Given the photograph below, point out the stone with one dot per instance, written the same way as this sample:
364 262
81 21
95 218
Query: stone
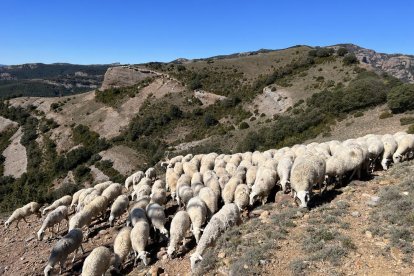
355 214
373 201
221 255
368 234
156 270
264 214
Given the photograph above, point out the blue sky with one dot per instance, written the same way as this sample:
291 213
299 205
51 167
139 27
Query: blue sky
104 31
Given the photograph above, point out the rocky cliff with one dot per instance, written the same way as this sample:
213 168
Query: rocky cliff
121 76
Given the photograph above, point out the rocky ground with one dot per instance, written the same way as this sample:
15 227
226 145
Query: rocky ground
337 236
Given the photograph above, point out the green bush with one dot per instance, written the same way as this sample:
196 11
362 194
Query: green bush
385 115
358 114
350 59
342 51
401 98
209 120
243 125
407 121
410 129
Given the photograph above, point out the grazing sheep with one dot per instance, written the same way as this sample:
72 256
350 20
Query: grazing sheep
142 202
265 181
118 208
171 179
390 146
155 213
63 201
140 191
180 224
307 171
75 199
129 181
178 168
158 184
197 210
228 192
196 178
159 196
227 216
375 149
214 184
251 175
174 160
150 173
190 168
405 147
335 168
79 220
283 170
185 193
207 175
82 196
88 198
207 195
196 187
97 207
139 240
112 192
102 186
97 262
62 249
241 196
136 214
53 218
22 213
136 177
122 246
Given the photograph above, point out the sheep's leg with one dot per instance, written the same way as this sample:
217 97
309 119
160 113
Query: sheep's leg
24 219
74 255
62 266
58 226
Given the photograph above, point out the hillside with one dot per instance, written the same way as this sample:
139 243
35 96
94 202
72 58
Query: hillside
112 121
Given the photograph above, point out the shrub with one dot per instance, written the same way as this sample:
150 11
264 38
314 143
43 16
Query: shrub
342 51
350 59
401 98
359 114
209 120
407 121
243 125
385 115
410 129
175 112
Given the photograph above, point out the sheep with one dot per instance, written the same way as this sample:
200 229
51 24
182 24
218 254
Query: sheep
187 158
22 213
63 248
122 246
53 218
251 175
97 207
390 146
136 214
139 240
265 181
307 170
214 184
178 168
140 191
228 192
88 198
375 149
335 168
196 178
158 184
241 196
102 186
155 213
184 180
75 199
228 216
79 220
196 187
159 196
180 224
190 168
63 201
118 208
82 197
150 173
174 160
129 181
112 192
283 170
97 262
171 179
207 195
142 202
207 175
136 177
405 147
185 193
354 157
197 210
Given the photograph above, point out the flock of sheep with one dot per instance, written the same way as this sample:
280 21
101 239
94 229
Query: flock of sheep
210 190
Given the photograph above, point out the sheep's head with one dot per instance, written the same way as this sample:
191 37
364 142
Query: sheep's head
195 259
40 235
397 158
384 164
304 197
143 256
111 220
7 224
253 198
48 270
170 251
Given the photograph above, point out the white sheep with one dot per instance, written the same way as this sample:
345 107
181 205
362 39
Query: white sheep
214 184
97 262
171 179
81 198
196 187
129 181
118 208
178 168
53 218
136 177
190 168
71 242
112 192
227 216
283 170
196 178
228 192
197 210
156 214
87 199
150 173
79 220
251 175
390 146
63 201
136 214
158 184
180 224
404 149
140 191
75 199
375 150
102 186
139 240
122 246
142 202
265 181
97 207
207 195
307 171
23 212
241 196
185 193
159 196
